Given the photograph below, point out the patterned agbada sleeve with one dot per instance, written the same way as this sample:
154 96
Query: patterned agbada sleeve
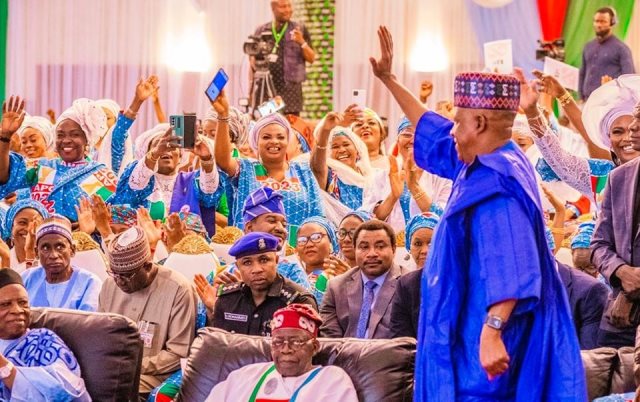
118 140
49 371
22 174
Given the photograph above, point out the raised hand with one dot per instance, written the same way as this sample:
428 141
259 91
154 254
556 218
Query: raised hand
153 232
549 84
201 150
334 266
167 143
101 215
297 36
147 88
426 88
382 66
85 216
529 93
207 293
396 177
12 115
557 203
350 115
174 230
30 241
225 278
5 255
412 171
221 104
331 120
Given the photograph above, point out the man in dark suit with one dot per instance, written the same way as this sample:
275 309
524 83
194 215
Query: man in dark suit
358 302
587 298
615 247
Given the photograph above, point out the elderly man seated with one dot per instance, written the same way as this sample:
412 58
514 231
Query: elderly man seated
291 376
56 283
35 364
159 299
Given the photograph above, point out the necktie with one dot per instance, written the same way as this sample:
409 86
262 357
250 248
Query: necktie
365 310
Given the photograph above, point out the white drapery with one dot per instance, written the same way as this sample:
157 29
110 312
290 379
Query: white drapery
60 50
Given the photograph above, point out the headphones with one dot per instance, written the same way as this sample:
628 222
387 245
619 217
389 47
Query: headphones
614 15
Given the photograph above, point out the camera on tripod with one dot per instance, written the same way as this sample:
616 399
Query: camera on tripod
553 49
259 46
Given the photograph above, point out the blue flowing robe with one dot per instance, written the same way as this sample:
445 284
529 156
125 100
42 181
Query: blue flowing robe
490 247
46 369
57 185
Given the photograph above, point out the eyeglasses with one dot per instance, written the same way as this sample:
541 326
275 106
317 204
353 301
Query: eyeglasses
294 344
122 277
342 233
314 238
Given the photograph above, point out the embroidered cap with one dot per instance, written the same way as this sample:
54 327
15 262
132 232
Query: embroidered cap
254 243
486 91
297 316
262 201
55 224
129 250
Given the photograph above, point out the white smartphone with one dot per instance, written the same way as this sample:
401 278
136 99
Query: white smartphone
359 97
271 106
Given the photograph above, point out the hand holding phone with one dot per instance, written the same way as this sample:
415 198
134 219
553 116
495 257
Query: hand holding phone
217 84
184 127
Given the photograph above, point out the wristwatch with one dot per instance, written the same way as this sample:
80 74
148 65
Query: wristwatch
5 371
495 322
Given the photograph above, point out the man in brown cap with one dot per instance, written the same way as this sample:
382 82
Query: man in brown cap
160 300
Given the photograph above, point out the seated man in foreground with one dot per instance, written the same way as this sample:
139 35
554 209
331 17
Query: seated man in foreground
158 299
35 364
291 375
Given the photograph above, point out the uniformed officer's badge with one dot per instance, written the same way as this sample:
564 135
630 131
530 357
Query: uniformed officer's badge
270 386
261 244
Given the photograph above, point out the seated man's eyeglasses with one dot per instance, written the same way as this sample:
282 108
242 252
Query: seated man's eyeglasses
294 343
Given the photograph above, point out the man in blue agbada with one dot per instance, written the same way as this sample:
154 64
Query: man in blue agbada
494 320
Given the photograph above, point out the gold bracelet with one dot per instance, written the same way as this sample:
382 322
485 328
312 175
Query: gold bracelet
565 99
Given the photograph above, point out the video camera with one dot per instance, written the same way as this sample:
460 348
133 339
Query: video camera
259 45
553 49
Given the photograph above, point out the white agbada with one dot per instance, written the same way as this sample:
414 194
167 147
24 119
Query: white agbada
330 384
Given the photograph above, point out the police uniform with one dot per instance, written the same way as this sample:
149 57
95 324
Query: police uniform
235 310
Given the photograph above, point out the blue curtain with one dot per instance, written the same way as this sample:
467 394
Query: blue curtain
518 21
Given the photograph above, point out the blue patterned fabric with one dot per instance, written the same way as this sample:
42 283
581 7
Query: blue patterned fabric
301 198
38 356
13 211
617 397
262 201
597 167
139 198
582 239
364 216
349 195
118 140
365 309
428 220
56 184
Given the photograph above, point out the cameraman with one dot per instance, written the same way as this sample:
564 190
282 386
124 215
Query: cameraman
287 60
605 57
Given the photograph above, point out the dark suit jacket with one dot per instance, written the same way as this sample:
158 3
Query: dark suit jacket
587 298
405 308
612 244
340 308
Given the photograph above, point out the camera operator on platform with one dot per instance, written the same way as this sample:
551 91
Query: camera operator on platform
604 58
287 61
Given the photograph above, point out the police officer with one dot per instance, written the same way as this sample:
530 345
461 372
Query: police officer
247 307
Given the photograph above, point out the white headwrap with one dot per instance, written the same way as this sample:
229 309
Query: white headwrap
521 126
614 99
43 126
274 118
89 115
144 140
110 105
238 123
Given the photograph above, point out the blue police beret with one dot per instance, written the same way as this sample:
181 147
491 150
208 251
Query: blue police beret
254 243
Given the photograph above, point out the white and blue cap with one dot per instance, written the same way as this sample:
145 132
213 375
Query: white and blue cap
254 243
